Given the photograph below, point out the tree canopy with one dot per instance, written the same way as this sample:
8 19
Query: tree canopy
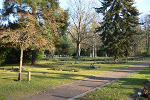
81 20
120 18
36 24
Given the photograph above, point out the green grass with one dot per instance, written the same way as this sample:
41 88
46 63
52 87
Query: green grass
46 74
121 89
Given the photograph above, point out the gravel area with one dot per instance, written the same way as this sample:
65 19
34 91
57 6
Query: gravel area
78 88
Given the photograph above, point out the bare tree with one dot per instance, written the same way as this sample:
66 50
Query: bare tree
94 41
139 39
81 21
147 31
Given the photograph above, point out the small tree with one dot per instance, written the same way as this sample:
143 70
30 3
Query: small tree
34 30
64 46
23 37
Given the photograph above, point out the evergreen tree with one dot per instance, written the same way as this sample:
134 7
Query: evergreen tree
120 18
65 46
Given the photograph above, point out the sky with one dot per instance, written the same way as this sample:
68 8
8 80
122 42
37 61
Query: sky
142 5
1 4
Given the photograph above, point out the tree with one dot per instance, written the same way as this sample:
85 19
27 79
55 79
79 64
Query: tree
120 18
93 42
36 23
65 46
139 39
147 31
61 38
60 17
81 20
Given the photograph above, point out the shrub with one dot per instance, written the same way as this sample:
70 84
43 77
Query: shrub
100 53
12 56
40 54
145 54
3 53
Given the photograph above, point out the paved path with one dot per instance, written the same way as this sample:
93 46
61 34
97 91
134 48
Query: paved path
78 88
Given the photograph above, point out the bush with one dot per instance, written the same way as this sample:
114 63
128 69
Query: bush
85 52
145 54
74 54
3 53
12 55
100 53
40 54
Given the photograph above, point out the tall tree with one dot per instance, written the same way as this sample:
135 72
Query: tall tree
120 18
58 16
80 14
93 42
147 31
37 25
62 31
139 39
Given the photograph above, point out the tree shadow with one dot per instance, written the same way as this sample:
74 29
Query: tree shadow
64 66
59 75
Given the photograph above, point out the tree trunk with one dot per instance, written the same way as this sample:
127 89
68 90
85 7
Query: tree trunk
147 43
84 52
34 57
90 53
77 50
126 59
106 54
116 58
21 59
93 52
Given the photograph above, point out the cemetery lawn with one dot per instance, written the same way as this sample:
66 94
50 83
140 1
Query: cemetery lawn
121 89
49 73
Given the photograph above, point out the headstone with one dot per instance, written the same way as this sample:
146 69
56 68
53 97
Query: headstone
76 62
94 66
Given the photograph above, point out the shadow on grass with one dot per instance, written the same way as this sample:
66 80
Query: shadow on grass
57 75
67 66
121 89
64 67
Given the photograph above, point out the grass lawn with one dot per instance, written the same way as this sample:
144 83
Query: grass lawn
51 73
121 89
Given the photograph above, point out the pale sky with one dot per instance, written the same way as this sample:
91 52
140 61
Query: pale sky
1 4
142 5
